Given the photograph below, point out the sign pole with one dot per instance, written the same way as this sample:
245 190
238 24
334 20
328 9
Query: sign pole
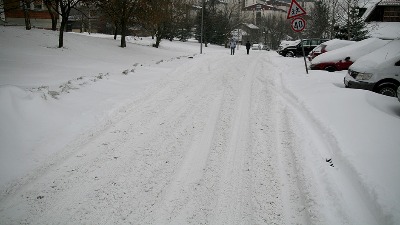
304 55
298 24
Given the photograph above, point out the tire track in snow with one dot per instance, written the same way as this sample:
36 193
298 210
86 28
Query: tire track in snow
234 197
321 145
78 186
191 202
175 204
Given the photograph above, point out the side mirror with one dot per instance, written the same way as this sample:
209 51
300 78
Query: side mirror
397 63
347 58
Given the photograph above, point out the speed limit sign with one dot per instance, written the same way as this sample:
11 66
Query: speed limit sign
298 24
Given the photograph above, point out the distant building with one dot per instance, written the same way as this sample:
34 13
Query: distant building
13 14
383 19
383 11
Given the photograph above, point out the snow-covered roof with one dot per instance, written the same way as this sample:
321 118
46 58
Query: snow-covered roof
371 5
389 2
251 26
384 30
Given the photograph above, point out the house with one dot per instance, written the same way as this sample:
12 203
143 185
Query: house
13 13
246 32
383 19
256 11
383 11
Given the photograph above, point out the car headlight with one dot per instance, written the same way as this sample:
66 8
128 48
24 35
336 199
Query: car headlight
363 76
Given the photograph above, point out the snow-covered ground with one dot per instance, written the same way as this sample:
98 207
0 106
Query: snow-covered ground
93 133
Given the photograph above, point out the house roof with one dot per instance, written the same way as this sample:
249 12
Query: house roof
370 8
251 26
261 7
389 2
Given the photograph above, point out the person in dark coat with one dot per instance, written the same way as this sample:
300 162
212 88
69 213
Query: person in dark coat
248 47
232 45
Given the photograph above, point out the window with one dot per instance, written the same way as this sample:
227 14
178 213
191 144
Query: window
37 5
306 42
315 42
391 14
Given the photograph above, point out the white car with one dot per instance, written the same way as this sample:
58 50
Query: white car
256 47
378 71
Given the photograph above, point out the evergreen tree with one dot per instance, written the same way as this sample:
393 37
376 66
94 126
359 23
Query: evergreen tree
216 24
354 29
319 25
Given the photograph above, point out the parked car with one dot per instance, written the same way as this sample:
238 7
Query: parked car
378 71
297 48
284 44
398 93
343 58
256 47
265 47
328 46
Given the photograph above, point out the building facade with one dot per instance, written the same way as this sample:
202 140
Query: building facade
14 12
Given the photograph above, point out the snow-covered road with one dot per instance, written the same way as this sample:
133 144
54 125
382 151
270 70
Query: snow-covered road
219 140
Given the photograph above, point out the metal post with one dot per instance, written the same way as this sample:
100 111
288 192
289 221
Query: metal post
304 55
202 24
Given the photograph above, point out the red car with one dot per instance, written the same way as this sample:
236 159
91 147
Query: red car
342 58
333 66
328 46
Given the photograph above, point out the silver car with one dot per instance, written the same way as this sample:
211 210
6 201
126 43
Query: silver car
398 93
378 71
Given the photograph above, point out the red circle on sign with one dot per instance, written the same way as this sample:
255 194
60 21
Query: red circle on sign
298 24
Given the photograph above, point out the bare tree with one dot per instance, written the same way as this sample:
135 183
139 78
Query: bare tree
122 12
63 8
276 28
51 5
24 5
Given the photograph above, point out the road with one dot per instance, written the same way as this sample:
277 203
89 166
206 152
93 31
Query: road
218 141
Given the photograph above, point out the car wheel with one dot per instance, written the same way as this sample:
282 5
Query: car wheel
330 69
388 89
289 54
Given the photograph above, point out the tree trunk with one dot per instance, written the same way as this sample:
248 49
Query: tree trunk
53 22
123 34
116 30
158 41
62 28
28 25
53 15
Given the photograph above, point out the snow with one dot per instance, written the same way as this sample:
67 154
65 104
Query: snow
336 43
354 51
384 30
94 133
379 59
284 44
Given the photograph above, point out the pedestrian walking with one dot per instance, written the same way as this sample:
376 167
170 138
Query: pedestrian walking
248 47
232 44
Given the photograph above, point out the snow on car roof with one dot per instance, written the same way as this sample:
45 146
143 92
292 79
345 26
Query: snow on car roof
378 57
336 43
354 51
289 43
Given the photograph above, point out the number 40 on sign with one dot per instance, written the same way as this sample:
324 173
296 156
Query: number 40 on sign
298 24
